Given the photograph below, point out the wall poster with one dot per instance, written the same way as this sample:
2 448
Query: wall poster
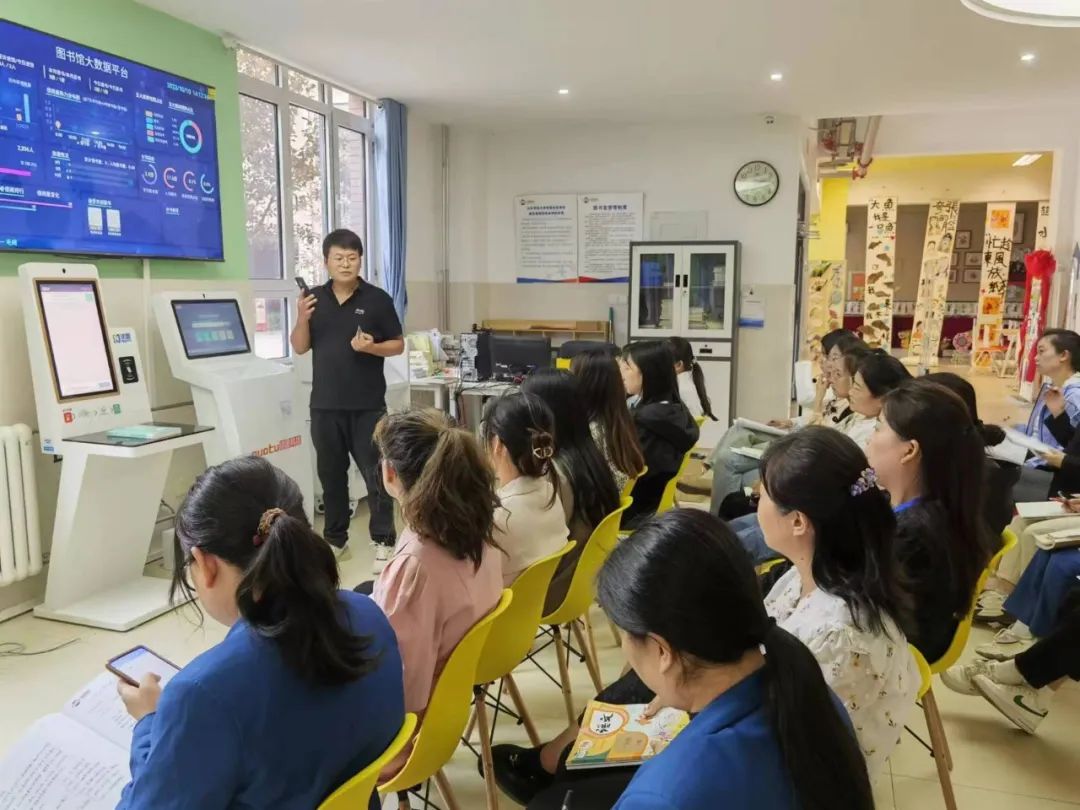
1042 226
546 231
997 252
934 281
880 257
607 224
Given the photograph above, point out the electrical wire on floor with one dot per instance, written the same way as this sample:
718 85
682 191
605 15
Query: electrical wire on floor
12 649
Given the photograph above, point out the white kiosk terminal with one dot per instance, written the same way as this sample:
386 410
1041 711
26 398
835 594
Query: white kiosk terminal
254 404
88 384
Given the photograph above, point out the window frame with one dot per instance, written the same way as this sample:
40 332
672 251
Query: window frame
283 99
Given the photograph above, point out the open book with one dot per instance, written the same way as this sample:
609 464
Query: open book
74 760
1041 510
760 427
617 735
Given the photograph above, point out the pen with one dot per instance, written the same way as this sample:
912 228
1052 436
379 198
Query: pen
566 801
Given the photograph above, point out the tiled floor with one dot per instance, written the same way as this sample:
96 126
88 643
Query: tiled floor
997 767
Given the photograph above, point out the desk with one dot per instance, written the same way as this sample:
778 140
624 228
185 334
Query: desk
448 389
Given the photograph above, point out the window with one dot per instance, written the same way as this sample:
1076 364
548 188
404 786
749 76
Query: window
306 148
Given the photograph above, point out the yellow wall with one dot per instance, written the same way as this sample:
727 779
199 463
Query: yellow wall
831 221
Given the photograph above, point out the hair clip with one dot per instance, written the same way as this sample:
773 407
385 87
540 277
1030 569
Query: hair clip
866 481
265 522
543 453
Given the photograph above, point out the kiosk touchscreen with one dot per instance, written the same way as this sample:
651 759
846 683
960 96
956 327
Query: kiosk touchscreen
210 328
254 404
75 338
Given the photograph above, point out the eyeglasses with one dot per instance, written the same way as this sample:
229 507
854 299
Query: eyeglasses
345 260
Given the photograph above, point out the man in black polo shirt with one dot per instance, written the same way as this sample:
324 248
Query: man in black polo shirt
351 326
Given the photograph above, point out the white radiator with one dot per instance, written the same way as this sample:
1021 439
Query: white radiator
20 534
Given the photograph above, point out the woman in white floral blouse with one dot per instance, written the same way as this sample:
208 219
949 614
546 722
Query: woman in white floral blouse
821 508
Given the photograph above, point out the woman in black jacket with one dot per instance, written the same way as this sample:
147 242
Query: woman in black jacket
924 451
666 430
1065 463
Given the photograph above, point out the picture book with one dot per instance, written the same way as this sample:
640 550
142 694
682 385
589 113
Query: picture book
618 735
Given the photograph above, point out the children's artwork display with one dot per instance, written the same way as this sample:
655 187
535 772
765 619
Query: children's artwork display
996 255
880 269
1040 270
933 291
825 303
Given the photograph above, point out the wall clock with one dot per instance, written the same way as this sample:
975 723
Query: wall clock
756 183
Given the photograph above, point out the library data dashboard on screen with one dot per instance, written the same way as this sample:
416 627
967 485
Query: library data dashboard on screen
104 156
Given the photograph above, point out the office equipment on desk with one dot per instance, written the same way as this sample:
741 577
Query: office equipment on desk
513 358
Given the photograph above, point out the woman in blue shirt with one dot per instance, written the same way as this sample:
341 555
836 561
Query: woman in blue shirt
305 690
766 731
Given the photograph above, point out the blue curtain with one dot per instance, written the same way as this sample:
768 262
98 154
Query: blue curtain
391 137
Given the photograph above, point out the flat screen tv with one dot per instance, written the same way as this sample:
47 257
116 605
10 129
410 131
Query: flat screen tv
103 156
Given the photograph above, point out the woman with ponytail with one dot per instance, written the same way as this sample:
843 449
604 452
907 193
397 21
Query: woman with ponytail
691 379
268 717
766 730
519 432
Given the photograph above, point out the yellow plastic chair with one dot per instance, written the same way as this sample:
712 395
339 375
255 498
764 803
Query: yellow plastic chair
939 743
699 420
628 487
507 644
667 500
356 793
447 713
579 596
563 363
767 566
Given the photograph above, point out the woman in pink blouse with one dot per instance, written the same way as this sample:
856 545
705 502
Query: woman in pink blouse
446 571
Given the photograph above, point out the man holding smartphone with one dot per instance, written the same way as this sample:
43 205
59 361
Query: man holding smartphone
350 325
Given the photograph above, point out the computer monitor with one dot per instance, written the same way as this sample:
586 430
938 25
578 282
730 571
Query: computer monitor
210 328
517 355
76 338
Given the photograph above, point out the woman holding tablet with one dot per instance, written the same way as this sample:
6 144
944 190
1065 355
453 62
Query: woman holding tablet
306 688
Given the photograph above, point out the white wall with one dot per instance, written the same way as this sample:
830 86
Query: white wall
679 168
424 230
964 183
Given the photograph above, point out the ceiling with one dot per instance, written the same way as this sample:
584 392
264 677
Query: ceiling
503 61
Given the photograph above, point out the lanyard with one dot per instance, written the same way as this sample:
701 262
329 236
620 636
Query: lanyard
905 506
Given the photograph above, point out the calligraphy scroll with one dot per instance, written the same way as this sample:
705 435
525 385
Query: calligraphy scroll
934 281
880 261
997 252
1042 227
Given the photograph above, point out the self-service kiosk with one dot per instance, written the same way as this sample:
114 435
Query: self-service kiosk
255 405
93 409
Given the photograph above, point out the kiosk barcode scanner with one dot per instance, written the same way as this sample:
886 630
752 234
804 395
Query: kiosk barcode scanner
93 409
255 404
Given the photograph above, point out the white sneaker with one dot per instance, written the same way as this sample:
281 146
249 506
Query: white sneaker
1021 704
958 678
339 551
1007 644
382 557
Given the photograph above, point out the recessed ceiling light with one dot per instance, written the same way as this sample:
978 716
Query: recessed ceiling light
776 77
1027 57
1029 12
1027 160
564 91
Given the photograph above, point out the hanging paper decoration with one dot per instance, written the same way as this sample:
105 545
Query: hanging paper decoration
933 281
1042 227
1040 270
880 260
997 252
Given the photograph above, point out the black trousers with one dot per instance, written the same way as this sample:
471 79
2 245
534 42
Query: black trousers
337 436
1057 655
595 789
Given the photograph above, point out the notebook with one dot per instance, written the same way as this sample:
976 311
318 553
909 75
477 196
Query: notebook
77 758
1040 510
749 452
613 735
1027 442
1066 538
760 427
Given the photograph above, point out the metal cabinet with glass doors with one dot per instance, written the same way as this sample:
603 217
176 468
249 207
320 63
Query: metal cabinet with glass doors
689 289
